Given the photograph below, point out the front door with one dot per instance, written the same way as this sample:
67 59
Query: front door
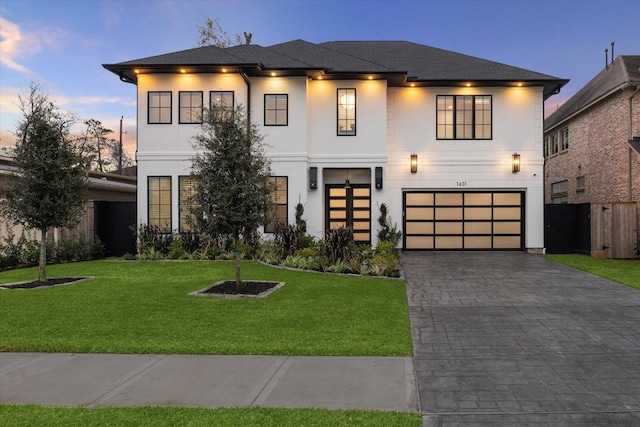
350 207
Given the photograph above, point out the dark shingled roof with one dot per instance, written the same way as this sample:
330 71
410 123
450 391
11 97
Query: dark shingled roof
402 61
624 70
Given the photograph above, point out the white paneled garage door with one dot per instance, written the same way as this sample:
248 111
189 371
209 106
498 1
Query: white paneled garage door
463 220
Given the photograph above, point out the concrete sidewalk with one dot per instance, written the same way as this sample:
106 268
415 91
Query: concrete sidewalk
96 380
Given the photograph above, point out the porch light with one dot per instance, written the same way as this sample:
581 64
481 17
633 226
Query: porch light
515 163
414 163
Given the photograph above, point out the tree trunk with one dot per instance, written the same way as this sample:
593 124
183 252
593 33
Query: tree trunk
239 284
42 273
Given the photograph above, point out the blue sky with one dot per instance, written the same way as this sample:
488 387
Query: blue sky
62 44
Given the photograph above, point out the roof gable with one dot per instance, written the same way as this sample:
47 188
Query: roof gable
625 69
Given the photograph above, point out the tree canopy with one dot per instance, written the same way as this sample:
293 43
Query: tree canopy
231 177
211 33
51 187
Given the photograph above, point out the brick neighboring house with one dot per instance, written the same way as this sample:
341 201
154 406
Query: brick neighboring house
591 155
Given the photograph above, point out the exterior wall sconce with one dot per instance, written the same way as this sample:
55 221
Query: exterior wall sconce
414 163
515 163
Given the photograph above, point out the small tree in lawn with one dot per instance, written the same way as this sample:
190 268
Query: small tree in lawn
231 175
51 187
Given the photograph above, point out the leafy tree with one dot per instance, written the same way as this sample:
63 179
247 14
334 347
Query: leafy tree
211 33
51 187
231 176
99 152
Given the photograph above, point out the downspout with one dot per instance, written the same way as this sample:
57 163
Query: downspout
248 82
631 137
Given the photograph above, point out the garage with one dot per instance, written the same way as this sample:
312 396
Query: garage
463 220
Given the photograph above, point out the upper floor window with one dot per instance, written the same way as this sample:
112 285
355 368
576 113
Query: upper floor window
559 192
346 112
190 107
581 183
464 117
545 147
221 99
159 202
277 212
159 108
276 110
554 144
564 139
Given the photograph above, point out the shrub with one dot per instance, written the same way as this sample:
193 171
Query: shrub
337 243
387 232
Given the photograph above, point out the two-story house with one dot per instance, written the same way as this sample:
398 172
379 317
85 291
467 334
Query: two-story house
592 145
451 143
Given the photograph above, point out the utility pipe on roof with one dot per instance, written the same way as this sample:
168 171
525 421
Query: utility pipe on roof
631 137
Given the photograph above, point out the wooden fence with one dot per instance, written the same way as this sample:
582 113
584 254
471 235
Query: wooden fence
613 230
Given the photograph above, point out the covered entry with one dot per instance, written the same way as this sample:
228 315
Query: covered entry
459 220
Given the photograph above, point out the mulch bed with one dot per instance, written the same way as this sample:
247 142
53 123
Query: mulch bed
251 288
37 284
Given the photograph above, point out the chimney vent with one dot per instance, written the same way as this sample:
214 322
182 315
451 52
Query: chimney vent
612 56
606 58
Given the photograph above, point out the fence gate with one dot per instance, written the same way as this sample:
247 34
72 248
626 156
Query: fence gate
613 230
113 221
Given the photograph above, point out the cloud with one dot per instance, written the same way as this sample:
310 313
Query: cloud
11 45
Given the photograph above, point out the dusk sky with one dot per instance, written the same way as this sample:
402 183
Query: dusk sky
62 44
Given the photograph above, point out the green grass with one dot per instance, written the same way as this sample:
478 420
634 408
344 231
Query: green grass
626 272
33 415
143 307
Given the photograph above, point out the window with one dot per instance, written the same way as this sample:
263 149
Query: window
545 147
580 184
159 108
277 212
554 144
221 99
159 201
276 110
559 191
186 188
190 107
346 112
463 117
564 139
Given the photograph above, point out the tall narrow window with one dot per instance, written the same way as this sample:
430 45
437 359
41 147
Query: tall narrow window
554 143
545 147
159 201
346 112
186 187
221 99
276 110
277 212
190 107
463 117
564 139
159 108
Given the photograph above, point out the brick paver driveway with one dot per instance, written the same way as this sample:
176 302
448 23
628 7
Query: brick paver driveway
511 338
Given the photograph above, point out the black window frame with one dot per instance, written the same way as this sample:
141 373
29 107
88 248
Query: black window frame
229 107
185 204
160 108
353 129
272 218
278 111
158 221
473 113
181 107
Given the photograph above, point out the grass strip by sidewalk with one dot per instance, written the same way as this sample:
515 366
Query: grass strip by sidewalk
32 415
626 272
143 307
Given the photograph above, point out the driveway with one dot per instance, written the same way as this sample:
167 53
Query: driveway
511 338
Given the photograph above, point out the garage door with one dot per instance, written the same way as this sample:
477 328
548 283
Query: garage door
448 220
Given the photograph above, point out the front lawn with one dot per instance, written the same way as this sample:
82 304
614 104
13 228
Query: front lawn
626 272
30 415
143 307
